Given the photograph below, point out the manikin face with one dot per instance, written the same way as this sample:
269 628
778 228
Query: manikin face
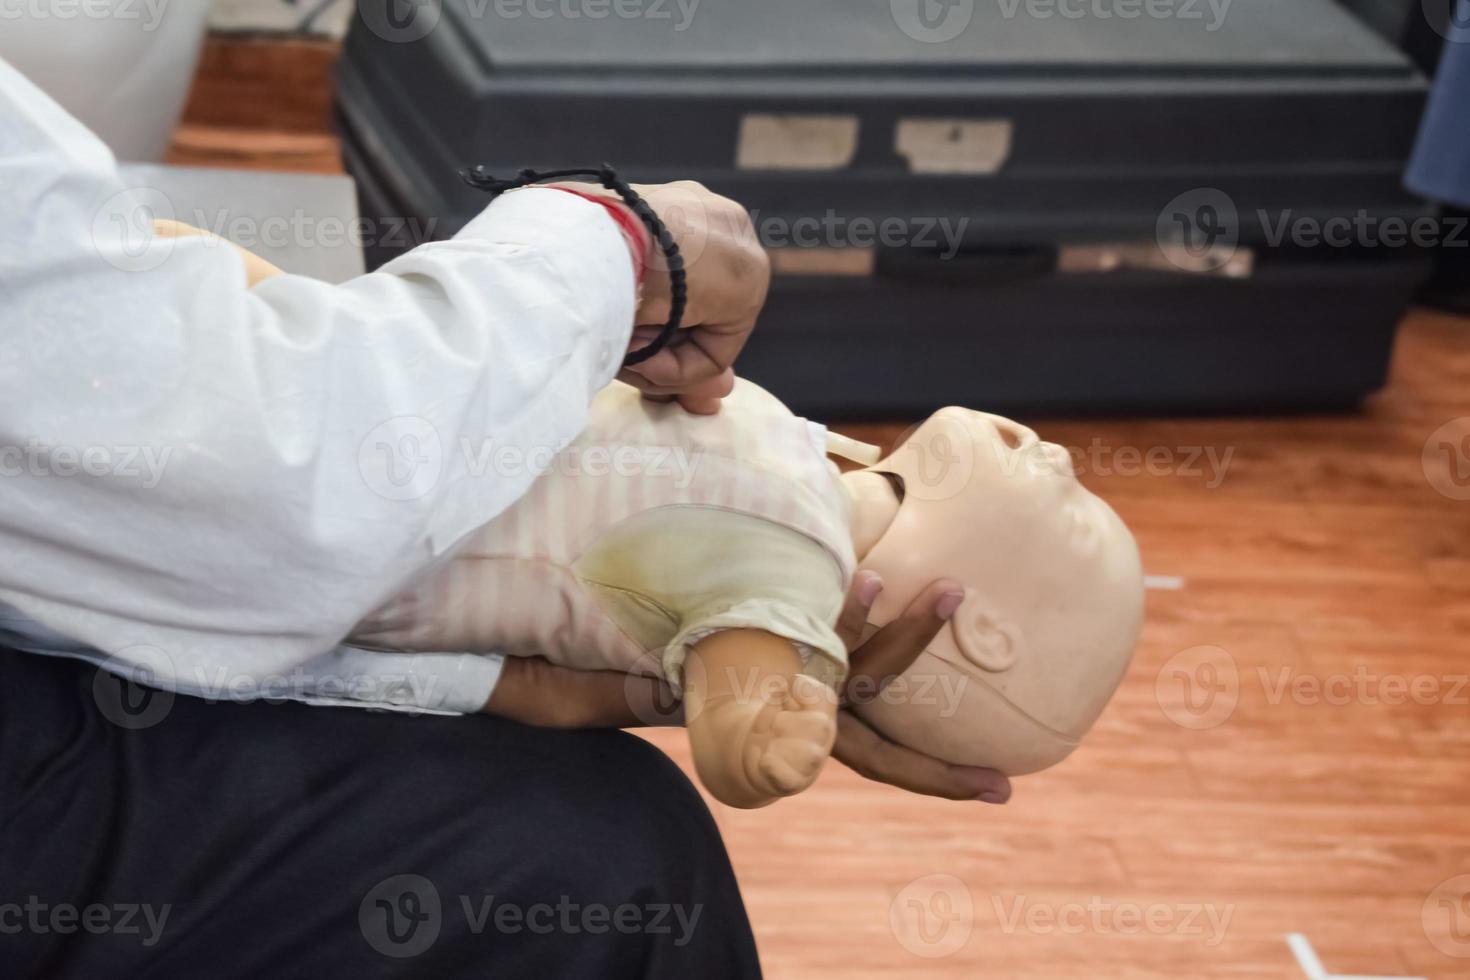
1053 591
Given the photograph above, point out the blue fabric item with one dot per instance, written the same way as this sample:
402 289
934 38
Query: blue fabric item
1440 167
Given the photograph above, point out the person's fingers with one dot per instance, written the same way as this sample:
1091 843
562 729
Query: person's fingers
696 405
890 651
694 355
668 373
705 397
651 391
701 398
874 757
643 336
866 585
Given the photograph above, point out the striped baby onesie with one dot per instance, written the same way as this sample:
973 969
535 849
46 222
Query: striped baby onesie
651 530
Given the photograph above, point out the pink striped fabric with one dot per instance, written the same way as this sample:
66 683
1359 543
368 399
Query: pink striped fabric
511 587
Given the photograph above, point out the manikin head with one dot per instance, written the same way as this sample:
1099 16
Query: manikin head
1053 591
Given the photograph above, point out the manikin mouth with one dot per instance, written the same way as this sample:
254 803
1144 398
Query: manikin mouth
896 483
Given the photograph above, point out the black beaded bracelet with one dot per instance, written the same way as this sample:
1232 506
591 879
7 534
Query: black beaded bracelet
479 179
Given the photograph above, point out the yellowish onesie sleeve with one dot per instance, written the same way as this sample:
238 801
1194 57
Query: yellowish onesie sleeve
822 653
675 575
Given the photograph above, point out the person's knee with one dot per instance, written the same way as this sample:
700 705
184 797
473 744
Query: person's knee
602 843
603 814
640 827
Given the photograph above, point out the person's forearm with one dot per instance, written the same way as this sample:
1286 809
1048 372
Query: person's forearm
535 691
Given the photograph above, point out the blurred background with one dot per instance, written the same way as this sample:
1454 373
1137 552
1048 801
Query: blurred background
1216 248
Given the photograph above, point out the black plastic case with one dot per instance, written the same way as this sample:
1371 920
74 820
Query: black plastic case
1030 135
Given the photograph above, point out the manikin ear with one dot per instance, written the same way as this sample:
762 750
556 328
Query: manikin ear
983 637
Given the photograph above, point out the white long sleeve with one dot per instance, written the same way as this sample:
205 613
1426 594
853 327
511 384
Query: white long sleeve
212 481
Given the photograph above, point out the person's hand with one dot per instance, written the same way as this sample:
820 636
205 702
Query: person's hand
885 655
728 275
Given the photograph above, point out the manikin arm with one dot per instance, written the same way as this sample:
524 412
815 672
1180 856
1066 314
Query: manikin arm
759 729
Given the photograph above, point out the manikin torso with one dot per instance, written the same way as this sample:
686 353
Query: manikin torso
570 572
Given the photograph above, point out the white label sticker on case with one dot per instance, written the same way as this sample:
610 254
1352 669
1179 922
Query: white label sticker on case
796 142
954 146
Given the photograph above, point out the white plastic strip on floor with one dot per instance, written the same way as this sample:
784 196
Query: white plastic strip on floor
1306 958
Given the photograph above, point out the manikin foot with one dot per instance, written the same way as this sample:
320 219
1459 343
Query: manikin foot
751 751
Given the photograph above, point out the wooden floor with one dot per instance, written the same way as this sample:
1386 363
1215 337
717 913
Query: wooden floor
1290 752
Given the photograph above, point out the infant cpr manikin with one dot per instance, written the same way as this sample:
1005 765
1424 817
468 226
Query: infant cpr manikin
678 545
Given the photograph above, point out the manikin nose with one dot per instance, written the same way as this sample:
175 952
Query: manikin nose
1014 435
1056 457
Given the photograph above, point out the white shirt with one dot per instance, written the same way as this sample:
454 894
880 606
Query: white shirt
208 485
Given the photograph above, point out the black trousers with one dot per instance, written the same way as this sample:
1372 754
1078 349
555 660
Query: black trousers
144 835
